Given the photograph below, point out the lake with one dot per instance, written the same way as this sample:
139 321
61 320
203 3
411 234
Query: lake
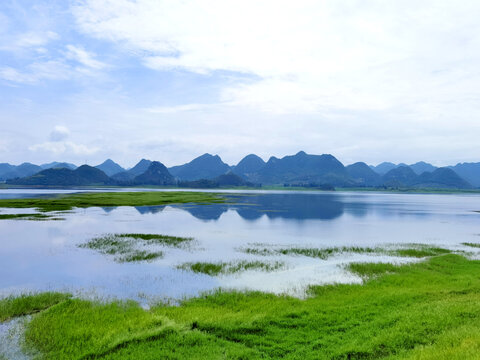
44 255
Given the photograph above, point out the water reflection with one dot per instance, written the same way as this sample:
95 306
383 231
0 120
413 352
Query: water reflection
44 255
284 206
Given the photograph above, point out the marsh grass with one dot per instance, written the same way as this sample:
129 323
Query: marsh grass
25 304
166 240
420 251
474 245
141 255
108 199
32 216
134 247
223 268
425 310
410 250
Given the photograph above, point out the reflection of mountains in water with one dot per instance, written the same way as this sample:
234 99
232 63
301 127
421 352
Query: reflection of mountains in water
274 206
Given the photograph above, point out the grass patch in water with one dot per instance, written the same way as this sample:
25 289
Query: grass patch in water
140 255
420 252
325 252
107 199
174 241
475 245
25 304
414 250
232 267
32 216
426 310
134 247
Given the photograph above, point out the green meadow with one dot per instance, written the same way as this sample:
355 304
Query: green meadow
425 310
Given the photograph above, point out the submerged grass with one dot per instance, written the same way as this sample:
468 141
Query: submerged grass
414 250
25 304
134 247
426 310
106 199
233 267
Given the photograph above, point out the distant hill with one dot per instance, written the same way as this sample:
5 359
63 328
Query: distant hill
128 175
156 174
203 167
19 171
383 168
123 177
250 164
58 165
299 170
6 168
110 167
82 176
140 167
421 167
469 172
442 178
418 168
363 175
402 176
303 168
224 180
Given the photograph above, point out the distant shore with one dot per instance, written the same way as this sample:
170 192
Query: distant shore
262 188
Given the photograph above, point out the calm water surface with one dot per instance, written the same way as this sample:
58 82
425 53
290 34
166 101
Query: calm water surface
44 255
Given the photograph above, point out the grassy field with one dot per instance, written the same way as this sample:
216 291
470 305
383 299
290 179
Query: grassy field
106 199
426 310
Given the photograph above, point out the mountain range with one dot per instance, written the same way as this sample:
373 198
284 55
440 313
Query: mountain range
208 170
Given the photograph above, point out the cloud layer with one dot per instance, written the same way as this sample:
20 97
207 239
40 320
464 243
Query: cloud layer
364 80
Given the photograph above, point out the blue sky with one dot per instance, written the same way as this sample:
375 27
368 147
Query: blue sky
83 81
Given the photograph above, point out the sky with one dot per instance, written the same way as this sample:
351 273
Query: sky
373 81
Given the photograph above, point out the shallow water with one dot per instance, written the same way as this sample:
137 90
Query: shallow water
43 255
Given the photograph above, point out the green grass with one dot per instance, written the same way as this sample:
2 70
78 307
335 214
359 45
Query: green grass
134 247
159 239
25 304
475 245
32 216
84 200
232 267
411 250
426 310
420 251
140 255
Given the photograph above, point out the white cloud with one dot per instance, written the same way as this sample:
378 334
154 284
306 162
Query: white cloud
27 40
44 70
310 56
365 79
84 57
59 133
64 148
